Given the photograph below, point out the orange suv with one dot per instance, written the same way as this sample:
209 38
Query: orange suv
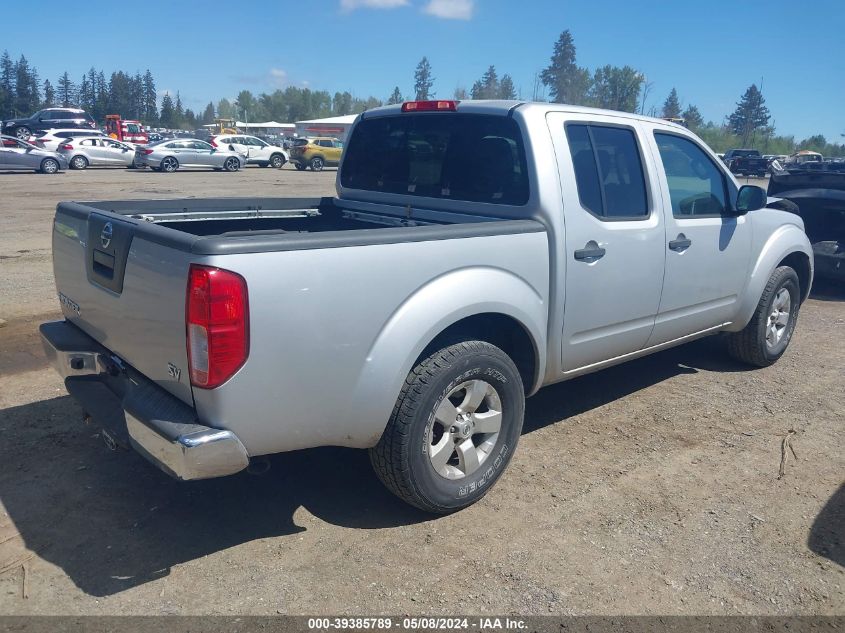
316 153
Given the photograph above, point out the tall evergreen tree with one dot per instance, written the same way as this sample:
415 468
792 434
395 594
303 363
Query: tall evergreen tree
693 117
168 112
751 114
49 94
150 98
395 97
66 91
27 90
566 81
672 106
506 88
208 115
460 93
423 81
7 85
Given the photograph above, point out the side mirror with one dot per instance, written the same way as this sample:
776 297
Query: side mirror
750 198
231 148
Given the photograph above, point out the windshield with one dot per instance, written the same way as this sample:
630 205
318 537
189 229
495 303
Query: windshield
472 157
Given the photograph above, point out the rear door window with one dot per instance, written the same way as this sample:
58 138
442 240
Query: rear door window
608 171
473 157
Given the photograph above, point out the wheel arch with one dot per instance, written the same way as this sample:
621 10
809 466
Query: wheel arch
487 304
788 245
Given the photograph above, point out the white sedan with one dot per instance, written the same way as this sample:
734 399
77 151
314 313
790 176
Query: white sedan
51 139
255 150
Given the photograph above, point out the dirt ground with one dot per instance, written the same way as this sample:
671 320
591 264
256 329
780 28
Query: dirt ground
649 488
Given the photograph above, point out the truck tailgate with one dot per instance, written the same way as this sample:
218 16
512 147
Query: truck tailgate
125 291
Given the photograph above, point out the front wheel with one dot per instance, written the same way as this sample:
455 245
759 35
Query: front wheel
454 428
767 335
277 161
232 164
78 162
23 133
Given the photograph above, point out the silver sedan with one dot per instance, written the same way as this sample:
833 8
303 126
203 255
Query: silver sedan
97 151
18 154
171 155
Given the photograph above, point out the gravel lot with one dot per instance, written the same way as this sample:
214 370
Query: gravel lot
649 488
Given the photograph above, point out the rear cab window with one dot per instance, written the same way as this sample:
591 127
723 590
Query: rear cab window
608 171
455 156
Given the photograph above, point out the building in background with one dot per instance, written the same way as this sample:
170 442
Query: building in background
335 126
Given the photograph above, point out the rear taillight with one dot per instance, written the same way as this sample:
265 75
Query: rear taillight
213 144
147 152
217 320
65 146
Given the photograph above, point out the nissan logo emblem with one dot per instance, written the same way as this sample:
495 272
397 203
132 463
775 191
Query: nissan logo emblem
106 235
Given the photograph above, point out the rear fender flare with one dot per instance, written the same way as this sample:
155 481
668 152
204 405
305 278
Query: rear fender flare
420 319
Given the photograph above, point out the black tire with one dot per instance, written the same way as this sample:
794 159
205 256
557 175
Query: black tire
317 163
50 166
277 161
750 345
300 167
168 164
232 164
401 458
78 162
23 132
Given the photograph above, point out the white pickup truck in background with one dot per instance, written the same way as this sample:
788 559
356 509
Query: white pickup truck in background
475 252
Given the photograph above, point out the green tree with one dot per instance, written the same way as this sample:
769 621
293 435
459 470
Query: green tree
149 98
460 93
27 97
49 94
692 117
506 88
225 109
66 91
616 88
395 97
7 85
168 112
488 86
208 114
751 114
342 103
672 106
566 81
423 81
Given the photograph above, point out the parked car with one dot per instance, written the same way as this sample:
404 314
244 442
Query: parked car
746 162
255 150
97 152
316 153
154 137
51 139
817 193
171 155
413 313
18 154
50 118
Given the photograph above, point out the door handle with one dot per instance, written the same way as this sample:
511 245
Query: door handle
680 243
590 253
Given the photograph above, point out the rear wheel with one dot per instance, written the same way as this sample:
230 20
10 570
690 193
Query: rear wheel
277 161
79 162
169 164
300 167
317 163
767 335
23 133
49 166
454 428
232 164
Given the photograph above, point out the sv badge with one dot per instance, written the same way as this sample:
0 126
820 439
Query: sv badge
174 372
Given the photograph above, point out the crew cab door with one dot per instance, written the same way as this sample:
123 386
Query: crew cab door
614 238
708 247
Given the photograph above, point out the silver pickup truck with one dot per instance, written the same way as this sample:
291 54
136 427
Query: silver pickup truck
475 252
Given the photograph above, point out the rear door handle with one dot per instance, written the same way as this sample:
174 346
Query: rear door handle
680 243
590 253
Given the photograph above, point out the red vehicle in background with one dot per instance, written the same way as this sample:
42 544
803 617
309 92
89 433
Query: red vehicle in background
124 130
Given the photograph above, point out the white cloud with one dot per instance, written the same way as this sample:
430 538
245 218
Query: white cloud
278 78
450 9
351 5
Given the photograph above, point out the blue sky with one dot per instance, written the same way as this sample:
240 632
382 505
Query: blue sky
711 50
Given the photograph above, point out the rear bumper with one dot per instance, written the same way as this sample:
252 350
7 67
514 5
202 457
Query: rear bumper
159 426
